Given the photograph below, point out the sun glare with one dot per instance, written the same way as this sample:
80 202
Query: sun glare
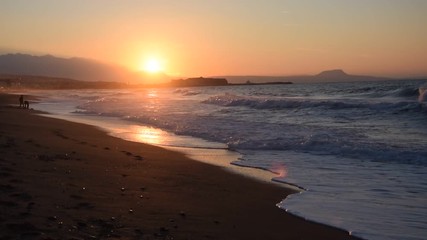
152 66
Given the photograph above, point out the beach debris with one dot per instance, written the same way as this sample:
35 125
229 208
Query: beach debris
8 204
6 188
10 142
139 232
22 196
76 196
45 158
182 214
30 205
59 133
82 224
127 153
139 158
122 189
113 219
51 158
163 233
65 156
140 196
130 210
26 230
84 205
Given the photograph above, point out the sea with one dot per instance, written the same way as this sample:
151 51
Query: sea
357 152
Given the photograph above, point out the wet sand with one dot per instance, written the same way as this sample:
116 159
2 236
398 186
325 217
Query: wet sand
64 180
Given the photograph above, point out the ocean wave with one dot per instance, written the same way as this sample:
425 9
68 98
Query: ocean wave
186 92
422 93
230 100
405 92
359 130
328 144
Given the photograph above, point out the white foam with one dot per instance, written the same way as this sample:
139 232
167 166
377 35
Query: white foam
359 149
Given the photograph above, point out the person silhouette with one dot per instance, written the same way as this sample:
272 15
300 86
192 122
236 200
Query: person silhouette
21 101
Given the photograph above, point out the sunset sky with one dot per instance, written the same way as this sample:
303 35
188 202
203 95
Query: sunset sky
225 37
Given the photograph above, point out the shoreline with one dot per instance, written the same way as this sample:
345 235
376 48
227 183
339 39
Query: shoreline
206 152
64 179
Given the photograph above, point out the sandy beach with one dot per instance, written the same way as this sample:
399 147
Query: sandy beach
64 180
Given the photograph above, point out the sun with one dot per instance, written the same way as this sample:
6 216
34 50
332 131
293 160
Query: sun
152 65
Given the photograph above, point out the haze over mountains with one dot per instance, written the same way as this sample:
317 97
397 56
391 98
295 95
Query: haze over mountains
336 75
90 70
73 68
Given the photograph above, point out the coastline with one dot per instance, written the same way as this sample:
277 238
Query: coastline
63 179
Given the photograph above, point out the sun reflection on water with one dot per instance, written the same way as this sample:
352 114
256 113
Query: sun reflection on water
149 135
280 170
152 94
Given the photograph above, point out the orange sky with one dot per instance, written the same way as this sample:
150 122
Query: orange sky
226 37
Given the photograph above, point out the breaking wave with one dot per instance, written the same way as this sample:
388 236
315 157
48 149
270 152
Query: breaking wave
230 100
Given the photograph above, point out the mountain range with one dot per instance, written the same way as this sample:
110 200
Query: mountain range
73 68
336 75
91 70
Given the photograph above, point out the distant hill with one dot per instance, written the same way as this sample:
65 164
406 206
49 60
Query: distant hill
339 75
90 70
336 75
73 68
17 82
333 74
198 82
